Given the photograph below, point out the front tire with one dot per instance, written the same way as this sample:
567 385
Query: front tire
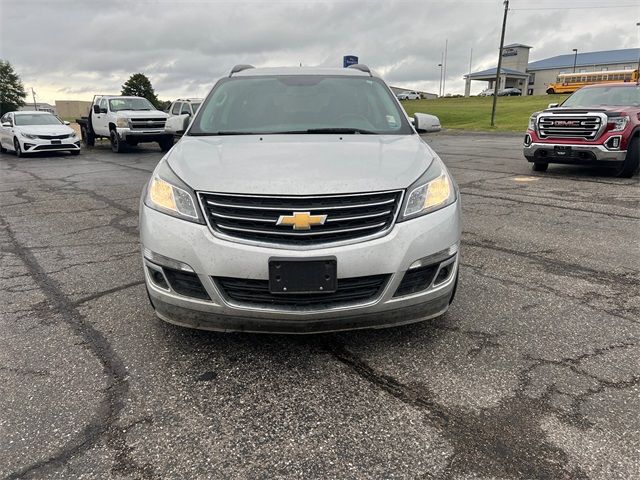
166 143
540 166
117 146
632 162
88 138
16 147
551 91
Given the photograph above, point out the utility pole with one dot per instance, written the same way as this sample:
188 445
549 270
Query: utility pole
35 105
496 87
575 59
444 74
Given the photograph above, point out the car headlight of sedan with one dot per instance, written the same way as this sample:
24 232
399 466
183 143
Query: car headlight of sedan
168 194
619 123
73 135
29 135
433 191
122 122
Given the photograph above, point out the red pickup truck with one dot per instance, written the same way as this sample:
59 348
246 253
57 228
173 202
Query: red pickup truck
597 125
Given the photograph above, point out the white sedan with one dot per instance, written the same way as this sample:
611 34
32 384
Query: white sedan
31 132
409 96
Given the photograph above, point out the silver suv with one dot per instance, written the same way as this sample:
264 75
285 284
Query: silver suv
301 200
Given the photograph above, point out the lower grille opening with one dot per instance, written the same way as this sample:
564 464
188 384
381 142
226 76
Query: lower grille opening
443 274
186 283
158 278
256 292
416 280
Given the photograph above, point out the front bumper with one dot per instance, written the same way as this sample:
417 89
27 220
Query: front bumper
36 145
583 154
142 135
210 256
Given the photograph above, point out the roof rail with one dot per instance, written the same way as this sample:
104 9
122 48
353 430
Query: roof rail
239 68
362 67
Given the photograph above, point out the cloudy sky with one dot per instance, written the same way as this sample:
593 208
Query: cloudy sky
71 49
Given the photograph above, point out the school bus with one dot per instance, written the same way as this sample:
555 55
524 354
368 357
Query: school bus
570 82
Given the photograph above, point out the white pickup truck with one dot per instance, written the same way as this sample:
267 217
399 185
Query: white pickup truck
124 121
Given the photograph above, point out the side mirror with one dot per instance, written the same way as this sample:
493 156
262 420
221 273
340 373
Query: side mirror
554 105
178 124
96 109
6 124
425 123
66 123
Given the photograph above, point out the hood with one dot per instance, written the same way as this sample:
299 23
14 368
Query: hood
141 114
300 164
45 129
613 110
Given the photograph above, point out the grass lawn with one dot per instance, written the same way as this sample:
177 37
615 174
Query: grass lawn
474 113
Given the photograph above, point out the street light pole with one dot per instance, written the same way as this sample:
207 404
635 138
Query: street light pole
575 59
495 89
440 88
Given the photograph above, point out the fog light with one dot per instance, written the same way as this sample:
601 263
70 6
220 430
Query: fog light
613 143
527 140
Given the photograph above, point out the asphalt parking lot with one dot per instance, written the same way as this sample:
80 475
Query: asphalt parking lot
533 373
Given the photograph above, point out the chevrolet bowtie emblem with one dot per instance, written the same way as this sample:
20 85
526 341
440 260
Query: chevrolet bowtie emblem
301 220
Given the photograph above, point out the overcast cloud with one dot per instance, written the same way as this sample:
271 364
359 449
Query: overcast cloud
71 49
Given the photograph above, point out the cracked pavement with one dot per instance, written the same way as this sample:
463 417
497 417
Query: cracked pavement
533 373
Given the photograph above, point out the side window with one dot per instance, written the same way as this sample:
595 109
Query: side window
103 104
185 109
175 110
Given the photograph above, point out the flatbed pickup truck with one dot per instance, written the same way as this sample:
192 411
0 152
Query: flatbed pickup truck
125 121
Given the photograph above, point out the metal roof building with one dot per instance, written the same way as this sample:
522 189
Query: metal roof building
534 77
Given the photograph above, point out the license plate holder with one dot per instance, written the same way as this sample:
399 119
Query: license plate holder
56 142
291 276
562 151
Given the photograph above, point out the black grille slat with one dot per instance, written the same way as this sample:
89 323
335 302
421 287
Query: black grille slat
255 217
256 292
53 137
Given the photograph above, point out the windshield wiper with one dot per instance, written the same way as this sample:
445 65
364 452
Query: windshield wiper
345 130
222 132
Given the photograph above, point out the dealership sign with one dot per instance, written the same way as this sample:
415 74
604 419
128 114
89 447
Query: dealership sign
349 60
509 52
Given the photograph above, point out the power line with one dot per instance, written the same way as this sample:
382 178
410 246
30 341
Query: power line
575 8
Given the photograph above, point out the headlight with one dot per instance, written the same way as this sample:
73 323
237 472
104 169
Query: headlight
168 194
122 122
28 135
619 123
433 191
532 122
73 135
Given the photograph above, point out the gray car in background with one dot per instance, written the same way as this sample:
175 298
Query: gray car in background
301 200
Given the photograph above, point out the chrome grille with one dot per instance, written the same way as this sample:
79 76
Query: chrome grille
147 123
570 126
348 217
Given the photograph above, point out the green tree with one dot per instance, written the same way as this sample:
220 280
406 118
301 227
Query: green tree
12 92
139 85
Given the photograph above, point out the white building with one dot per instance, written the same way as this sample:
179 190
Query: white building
534 77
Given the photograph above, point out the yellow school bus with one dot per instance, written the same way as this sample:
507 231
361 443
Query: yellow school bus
570 82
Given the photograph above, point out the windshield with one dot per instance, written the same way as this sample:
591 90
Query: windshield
605 95
119 104
300 104
36 119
